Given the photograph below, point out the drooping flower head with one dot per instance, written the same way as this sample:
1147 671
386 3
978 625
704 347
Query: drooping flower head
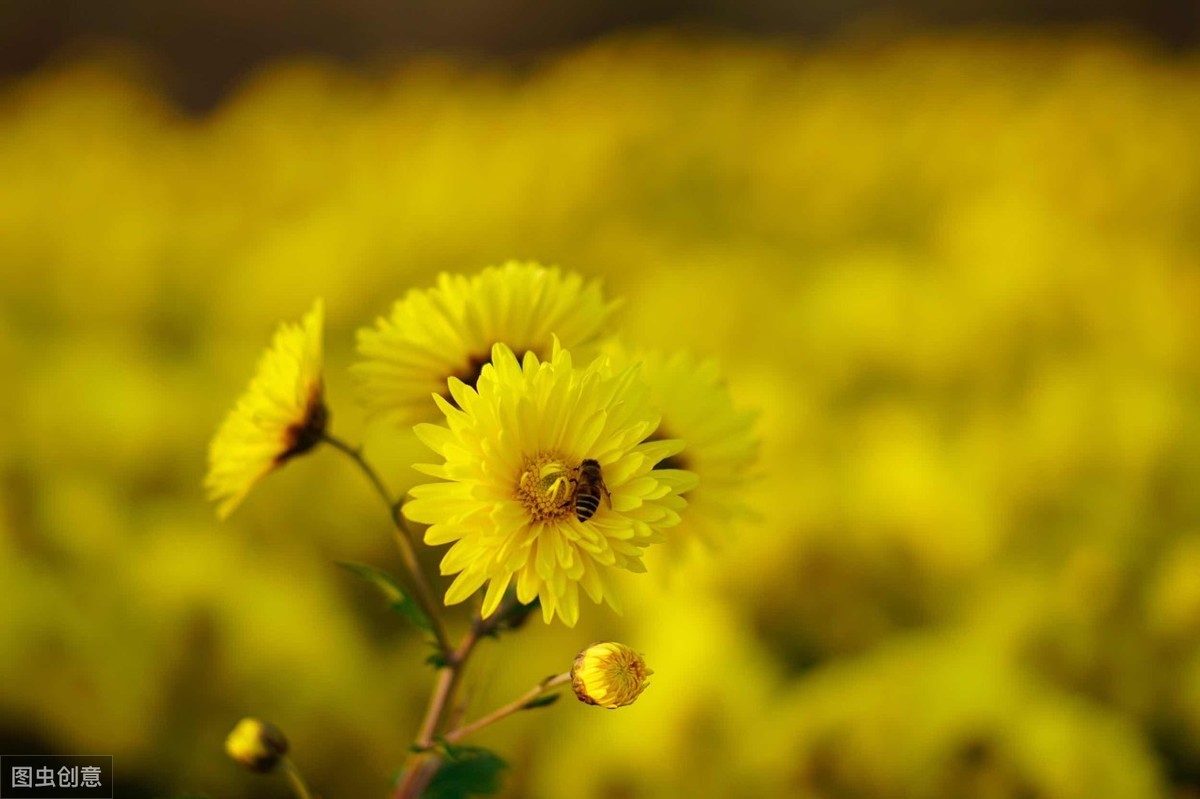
514 451
719 442
610 675
281 415
448 331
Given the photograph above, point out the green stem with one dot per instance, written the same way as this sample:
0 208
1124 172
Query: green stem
404 541
296 781
355 454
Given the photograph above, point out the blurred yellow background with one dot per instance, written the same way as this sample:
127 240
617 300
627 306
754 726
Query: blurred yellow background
957 275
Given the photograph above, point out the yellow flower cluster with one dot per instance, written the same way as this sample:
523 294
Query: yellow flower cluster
954 274
554 474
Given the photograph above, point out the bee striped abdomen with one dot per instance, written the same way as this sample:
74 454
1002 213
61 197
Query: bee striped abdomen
587 492
586 504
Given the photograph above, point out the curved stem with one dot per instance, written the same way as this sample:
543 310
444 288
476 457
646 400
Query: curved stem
404 541
515 706
296 781
355 454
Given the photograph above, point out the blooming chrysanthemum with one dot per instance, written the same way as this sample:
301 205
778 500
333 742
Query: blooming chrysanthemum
281 415
719 442
610 675
448 331
513 454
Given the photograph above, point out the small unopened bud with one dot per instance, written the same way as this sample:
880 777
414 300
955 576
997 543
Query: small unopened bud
257 745
610 675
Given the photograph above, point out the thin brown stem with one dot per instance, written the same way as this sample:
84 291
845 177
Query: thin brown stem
424 765
517 705
418 776
404 541
448 679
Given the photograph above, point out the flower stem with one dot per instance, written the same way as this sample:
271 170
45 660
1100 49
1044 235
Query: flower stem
296 781
448 679
404 541
512 707
425 764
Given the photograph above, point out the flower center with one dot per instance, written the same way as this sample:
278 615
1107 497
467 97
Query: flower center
546 487
306 434
626 673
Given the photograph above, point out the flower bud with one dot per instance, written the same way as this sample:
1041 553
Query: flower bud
610 675
256 744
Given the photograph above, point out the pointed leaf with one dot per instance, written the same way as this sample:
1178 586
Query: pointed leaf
395 595
542 701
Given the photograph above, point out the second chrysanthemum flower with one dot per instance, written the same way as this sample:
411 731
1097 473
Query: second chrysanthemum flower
513 464
448 331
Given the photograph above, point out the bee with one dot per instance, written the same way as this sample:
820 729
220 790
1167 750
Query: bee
589 484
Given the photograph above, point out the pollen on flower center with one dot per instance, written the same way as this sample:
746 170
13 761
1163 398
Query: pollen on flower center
545 487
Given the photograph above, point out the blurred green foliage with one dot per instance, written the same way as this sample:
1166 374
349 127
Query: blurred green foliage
959 277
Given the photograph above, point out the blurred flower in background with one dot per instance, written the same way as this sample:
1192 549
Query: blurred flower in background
720 445
954 276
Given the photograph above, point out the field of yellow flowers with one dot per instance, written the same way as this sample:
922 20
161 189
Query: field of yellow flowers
957 279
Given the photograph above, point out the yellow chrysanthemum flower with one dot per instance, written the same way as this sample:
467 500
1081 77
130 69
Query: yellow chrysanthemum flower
719 442
520 501
610 675
281 415
448 331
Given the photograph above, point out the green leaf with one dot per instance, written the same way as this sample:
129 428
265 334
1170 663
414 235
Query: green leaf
396 597
437 660
541 701
466 771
